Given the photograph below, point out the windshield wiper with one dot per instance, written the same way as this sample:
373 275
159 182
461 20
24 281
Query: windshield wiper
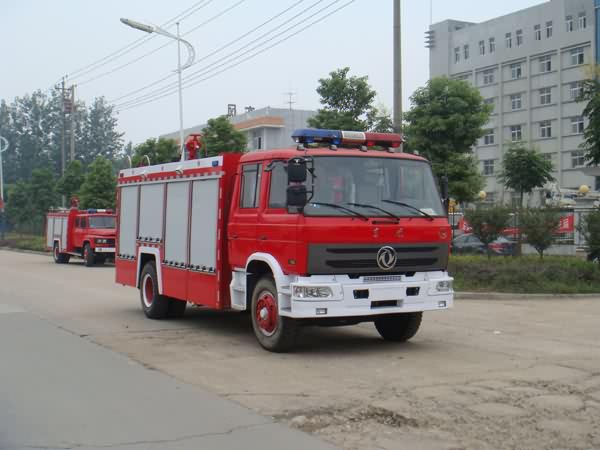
343 208
406 205
377 208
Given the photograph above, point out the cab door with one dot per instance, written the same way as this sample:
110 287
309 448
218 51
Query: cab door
79 231
244 217
276 228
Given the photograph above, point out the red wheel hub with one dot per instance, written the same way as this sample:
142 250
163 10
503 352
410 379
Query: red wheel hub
148 291
266 313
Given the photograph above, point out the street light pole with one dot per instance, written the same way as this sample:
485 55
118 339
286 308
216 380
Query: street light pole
3 148
397 67
180 68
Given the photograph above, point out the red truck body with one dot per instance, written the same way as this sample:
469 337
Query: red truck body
215 231
89 234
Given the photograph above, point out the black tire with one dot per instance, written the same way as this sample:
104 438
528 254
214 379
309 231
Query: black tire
273 332
59 258
176 308
154 305
399 328
89 258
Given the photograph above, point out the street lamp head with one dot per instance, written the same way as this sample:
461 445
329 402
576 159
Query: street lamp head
138 25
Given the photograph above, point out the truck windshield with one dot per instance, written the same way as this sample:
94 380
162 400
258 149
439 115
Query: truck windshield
397 186
102 222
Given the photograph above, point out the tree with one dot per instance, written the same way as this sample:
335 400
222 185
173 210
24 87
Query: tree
464 179
98 189
19 208
101 136
347 101
158 151
524 169
220 136
591 95
539 225
380 120
590 229
70 183
487 224
446 119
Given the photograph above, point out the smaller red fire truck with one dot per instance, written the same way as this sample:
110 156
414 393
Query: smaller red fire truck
88 234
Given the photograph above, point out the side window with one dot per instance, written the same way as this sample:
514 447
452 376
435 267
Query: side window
83 222
250 194
277 191
77 222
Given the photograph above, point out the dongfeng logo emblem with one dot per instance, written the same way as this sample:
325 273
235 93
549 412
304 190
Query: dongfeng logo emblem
386 258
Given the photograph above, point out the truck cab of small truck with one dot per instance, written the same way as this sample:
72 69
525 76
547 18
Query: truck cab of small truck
312 235
88 234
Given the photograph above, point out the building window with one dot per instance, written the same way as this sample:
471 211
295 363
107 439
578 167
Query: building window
582 21
516 101
250 186
549 29
516 71
508 40
456 55
546 129
545 64
545 96
516 133
537 32
488 167
519 38
489 138
569 23
577 159
466 51
491 101
488 76
482 48
597 188
576 90
577 125
577 56
492 43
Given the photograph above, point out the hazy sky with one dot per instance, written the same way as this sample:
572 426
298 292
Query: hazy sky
40 41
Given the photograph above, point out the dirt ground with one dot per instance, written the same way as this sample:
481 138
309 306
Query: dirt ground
487 374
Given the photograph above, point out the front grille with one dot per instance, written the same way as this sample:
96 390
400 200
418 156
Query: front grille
362 259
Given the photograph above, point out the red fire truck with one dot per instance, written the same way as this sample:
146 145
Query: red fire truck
326 233
88 234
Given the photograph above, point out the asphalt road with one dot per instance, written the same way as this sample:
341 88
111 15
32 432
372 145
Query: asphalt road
83 364
59 390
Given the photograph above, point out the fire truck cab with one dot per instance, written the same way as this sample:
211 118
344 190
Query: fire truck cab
88 234
316 234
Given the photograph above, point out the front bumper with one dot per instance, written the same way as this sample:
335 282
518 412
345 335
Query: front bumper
368 296
104 250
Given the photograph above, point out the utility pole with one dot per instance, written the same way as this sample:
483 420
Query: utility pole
290 95
397 67
63 137
72 123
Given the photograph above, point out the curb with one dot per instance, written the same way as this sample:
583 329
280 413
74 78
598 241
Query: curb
20 250
520 296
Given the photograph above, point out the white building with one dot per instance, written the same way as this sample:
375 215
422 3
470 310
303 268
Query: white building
530 66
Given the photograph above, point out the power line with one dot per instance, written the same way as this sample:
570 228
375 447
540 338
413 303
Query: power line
223 47
232 56
136 43
135 105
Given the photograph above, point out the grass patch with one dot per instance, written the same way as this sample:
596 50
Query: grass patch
24 242
527 274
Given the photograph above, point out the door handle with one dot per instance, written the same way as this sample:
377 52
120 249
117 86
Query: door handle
262 238
234 236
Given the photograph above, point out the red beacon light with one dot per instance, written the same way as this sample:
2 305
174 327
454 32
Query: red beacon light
349 138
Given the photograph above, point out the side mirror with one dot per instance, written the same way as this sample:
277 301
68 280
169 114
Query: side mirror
296 170
297 196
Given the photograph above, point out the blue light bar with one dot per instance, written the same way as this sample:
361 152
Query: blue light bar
311 135
92 211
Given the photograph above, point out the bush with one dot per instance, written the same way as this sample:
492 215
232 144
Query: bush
556 275
488 223
539 225
590 229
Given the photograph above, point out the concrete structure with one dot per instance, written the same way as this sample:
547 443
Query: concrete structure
530 66
265 128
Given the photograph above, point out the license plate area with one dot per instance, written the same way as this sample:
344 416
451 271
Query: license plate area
387 304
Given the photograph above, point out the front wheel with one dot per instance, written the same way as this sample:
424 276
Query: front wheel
399 328
274 332
59 258
89 259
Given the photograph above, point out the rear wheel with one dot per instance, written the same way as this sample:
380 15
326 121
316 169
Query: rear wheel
89 258
155 305
60 258
399 328
273 331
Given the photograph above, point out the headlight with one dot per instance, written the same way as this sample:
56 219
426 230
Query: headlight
310 292
101 241
443 286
